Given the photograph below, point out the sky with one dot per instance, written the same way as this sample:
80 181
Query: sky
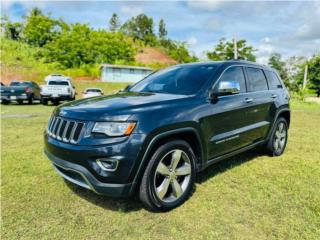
287 27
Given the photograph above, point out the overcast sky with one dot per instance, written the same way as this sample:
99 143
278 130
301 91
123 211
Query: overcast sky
290 27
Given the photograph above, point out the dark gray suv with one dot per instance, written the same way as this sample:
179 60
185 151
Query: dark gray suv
154 137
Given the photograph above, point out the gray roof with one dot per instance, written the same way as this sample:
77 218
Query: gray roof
124 67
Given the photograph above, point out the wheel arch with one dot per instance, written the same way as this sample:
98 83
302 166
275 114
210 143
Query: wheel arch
188 134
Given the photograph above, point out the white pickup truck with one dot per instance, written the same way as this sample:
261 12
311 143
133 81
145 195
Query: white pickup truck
57 90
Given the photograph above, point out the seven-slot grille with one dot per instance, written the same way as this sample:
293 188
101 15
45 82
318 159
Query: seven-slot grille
65 130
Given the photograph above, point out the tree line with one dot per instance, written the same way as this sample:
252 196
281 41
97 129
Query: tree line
77 45
74 45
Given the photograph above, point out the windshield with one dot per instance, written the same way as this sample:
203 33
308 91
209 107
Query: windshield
59 83
185 80
20 84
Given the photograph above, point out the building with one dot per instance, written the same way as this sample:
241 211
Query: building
121 73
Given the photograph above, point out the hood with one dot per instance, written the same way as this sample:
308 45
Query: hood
118 106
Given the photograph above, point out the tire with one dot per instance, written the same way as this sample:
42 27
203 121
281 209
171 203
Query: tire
166 183
5 102
30 100
44 101
20 102
55 102
278 140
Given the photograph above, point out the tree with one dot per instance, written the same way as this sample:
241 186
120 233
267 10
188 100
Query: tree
162 29
140 27
82 45
114 23
224 51
178 51
313 74
40 29
276 62
11 30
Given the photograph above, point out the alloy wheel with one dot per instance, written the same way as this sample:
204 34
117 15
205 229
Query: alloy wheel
280 137
172 176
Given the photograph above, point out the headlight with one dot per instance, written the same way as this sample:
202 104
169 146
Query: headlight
114 129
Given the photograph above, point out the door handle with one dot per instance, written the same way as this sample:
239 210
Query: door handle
274 96
248 100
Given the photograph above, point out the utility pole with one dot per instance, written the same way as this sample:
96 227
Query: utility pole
235 49
305 77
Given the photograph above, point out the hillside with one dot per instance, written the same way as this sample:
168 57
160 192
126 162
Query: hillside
150 55
19 61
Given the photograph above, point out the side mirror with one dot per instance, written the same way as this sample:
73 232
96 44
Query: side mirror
228 88
225 88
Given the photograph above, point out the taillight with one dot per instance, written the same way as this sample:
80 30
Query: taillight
68 90
27 89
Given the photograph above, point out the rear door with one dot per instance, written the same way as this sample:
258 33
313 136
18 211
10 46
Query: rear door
260 103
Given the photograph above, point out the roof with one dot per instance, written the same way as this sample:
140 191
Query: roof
125 67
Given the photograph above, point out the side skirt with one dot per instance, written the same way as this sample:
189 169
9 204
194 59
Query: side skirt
231 154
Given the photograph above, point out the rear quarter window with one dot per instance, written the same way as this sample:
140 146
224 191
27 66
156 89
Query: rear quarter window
256 80
273 80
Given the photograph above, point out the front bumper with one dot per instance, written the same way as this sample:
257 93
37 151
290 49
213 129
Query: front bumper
80 176
78 163
59 97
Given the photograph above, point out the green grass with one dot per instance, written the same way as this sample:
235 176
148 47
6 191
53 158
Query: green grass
250 196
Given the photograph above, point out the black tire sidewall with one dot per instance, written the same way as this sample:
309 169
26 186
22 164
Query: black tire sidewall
158 155
272 139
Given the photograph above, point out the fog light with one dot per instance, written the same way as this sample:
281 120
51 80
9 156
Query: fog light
108 164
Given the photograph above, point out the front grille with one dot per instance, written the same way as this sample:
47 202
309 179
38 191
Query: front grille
65 130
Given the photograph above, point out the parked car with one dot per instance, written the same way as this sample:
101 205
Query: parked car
92 92
57 90
56 76
20 91
154 138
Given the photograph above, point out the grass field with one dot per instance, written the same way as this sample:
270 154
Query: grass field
250 196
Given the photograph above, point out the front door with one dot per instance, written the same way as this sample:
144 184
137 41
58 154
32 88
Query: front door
225 119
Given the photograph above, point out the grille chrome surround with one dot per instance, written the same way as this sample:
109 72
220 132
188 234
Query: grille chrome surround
65 130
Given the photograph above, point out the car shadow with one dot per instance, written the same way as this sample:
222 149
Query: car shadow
133 204
227 164
110 203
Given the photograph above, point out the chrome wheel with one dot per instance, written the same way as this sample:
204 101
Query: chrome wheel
280 137
172 176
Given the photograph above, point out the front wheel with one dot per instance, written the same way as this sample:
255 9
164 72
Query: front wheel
169 177
279 137
30 100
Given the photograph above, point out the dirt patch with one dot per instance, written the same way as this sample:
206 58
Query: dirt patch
86 78
18 115
152 56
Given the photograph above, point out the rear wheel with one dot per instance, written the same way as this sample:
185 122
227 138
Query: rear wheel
279 137
5 102
169 177
30 100
44 101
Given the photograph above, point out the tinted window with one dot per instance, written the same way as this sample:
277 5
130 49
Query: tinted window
20 84
234 74
187 79
273 80
58 83
256 80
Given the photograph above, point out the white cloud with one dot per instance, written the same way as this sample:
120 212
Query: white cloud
192 41
131 11
208 5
